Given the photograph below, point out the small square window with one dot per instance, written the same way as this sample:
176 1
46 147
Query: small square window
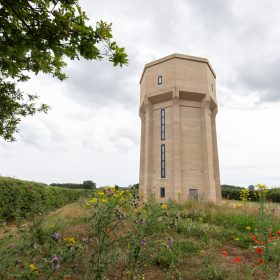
159 80
162 192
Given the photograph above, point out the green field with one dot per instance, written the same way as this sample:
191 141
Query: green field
111 236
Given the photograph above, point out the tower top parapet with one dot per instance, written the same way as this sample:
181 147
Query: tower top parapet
180 56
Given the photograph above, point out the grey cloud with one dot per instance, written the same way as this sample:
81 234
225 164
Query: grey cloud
261 76
43 133
214 14
35 133
101 83
132 135
149 20
125 135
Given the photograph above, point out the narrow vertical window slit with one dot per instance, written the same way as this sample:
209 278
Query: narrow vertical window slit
159 80
162 192
162 124
163 161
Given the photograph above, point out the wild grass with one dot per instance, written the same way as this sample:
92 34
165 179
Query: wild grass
112 236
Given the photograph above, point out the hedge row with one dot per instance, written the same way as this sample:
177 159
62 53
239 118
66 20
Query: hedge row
231 194
90 185
19 198
273 195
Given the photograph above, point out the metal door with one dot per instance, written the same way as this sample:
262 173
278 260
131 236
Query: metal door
193 194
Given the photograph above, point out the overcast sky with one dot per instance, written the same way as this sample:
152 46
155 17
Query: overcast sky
93 129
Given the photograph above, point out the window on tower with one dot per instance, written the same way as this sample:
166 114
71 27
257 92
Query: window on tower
163 161
162 124
162 192
159 80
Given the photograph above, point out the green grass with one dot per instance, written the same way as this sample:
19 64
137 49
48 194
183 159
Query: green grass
114 239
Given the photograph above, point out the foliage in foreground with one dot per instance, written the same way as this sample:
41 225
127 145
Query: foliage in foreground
36 36
115 237
20 198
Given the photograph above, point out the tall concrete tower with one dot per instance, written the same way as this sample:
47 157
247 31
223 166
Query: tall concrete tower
178 107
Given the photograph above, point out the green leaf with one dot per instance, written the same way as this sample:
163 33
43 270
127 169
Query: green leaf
36 36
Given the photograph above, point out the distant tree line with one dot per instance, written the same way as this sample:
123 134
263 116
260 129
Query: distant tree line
135 186
88 185
117 187
233 192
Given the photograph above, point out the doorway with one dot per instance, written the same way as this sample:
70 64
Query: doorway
193 194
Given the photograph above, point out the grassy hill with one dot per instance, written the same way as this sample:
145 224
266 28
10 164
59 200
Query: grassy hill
111 236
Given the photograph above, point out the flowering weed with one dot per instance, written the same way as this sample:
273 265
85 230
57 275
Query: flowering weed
117 236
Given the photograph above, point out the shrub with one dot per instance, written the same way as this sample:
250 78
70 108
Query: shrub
273 195
228 193
19 198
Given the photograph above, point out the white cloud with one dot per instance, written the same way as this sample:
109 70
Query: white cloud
93 129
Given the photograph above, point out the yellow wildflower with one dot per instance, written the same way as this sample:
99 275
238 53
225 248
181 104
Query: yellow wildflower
70 240
51 226
137 210
87 204
33 267
104 200
261 187
248 228
244 194
236 238
101 193
93 200
164 206
110 188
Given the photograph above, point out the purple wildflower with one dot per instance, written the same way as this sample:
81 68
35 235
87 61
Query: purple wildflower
143 242
17 261
142 222
169 241
57 236
56 261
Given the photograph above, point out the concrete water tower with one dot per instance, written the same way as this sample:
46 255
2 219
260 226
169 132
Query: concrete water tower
178 107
